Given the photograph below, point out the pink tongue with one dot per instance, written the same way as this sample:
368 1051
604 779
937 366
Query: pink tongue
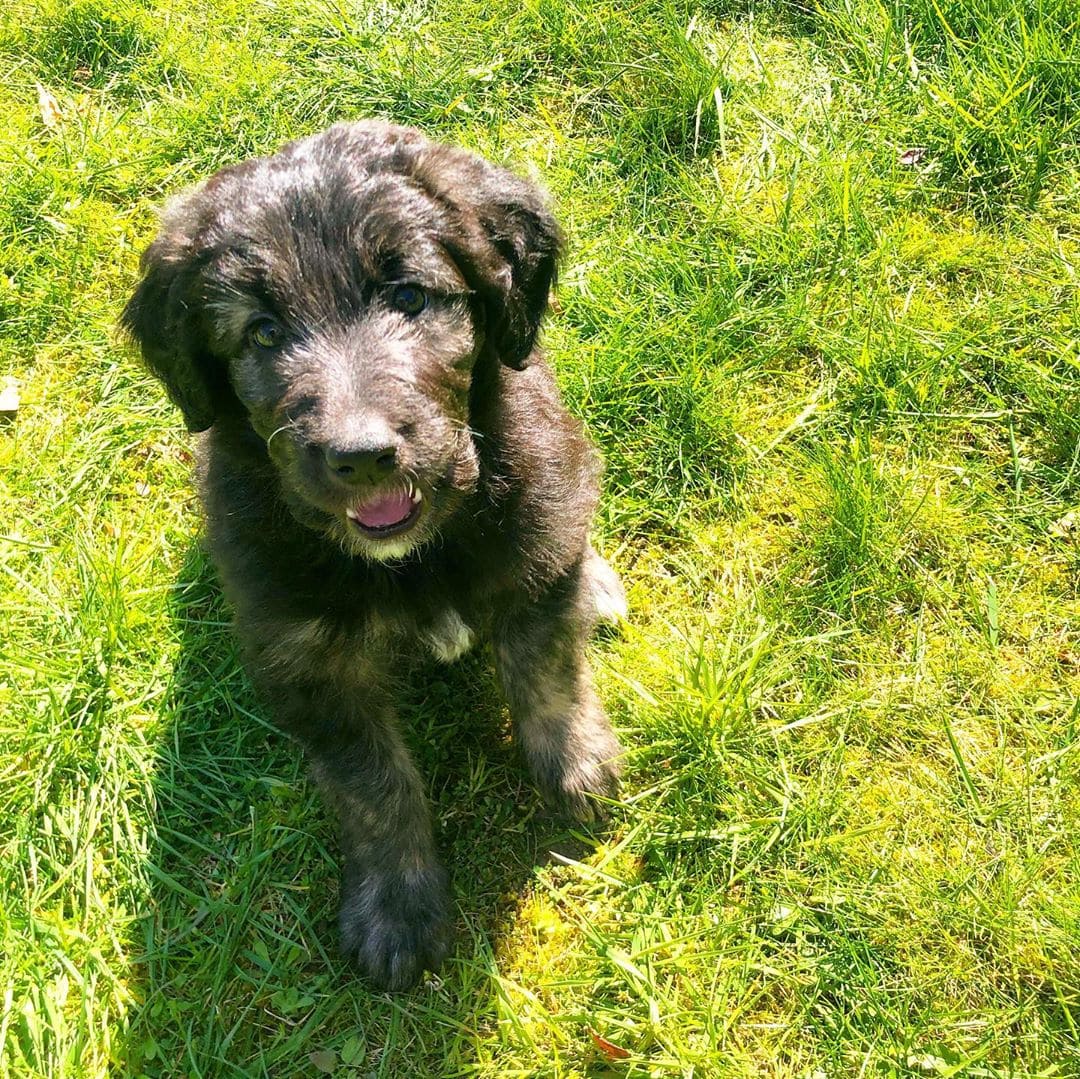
384 512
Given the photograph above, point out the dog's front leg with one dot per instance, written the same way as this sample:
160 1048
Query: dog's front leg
558 721
394 914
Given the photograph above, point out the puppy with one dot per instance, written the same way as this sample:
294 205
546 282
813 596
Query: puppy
386 467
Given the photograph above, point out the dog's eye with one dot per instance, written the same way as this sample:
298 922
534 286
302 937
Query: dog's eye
409 299
266 333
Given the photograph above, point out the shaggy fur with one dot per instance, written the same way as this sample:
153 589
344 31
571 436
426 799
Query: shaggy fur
386 466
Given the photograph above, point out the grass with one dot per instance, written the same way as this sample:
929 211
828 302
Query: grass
820 312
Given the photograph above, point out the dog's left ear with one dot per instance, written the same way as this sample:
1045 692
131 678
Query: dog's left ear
526 235
509 249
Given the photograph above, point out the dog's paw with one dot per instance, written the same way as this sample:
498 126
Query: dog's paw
606 595
577 787
395 927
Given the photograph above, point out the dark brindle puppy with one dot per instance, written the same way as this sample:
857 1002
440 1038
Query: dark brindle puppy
386 467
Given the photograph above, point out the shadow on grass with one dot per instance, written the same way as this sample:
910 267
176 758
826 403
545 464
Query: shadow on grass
236 951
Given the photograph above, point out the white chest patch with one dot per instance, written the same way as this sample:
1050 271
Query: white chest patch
449 638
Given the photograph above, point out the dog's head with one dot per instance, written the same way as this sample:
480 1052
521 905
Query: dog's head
344 296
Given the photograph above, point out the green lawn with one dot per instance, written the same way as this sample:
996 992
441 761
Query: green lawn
820 312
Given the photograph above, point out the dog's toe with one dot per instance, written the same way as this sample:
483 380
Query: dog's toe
394 931
578 787
583 791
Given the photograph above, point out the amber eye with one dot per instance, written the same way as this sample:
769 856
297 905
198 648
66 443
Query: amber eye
409 299
266 333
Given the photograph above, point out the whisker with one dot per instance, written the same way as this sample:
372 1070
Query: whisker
288 425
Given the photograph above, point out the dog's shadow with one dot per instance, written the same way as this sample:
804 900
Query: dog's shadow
236 965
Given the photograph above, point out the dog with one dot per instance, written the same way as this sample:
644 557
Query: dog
386 467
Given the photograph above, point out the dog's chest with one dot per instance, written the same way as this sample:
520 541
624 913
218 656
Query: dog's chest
423 614
444 633
449 637
324 647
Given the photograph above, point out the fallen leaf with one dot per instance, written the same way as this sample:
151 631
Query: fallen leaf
49 107
927 1062
324 1060
609 1049
1067 525
912 156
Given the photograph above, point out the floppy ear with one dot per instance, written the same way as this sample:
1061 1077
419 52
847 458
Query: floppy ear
163 317
525 234
509 247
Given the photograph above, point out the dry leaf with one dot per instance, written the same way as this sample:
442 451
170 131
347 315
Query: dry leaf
1066 525
49 107
609 1049
324 1060
912 156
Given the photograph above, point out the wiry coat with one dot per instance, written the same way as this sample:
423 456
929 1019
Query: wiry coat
385 463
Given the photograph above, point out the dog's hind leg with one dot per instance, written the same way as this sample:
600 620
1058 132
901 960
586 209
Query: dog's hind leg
558 720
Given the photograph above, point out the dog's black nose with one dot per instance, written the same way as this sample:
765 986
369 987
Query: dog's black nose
363 460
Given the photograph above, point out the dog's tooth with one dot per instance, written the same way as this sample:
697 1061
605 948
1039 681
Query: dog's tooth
352 515
414 494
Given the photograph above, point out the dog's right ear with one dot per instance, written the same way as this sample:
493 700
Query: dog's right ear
163 317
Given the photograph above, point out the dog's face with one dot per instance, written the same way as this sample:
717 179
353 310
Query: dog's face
348 297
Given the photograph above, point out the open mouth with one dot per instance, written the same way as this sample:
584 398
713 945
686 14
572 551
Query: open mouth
388 514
